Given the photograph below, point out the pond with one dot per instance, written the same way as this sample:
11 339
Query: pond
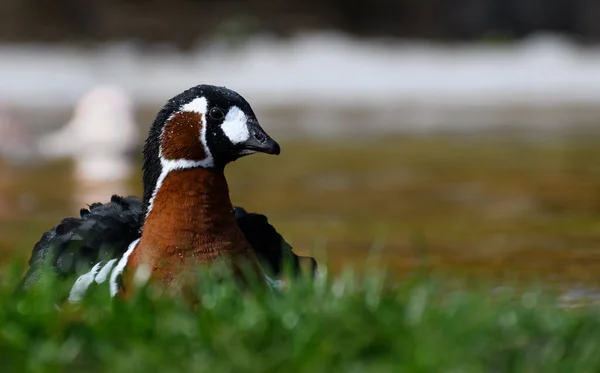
484 206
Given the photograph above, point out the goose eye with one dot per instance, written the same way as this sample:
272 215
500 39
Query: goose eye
216 113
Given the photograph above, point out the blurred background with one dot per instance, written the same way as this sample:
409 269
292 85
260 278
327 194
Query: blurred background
454 135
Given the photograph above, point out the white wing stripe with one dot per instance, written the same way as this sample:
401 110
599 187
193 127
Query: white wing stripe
114 285
103 273
83 283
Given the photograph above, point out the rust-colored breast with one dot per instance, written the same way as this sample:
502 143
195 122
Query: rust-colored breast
191 226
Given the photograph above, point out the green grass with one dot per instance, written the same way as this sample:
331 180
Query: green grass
480 208
343 324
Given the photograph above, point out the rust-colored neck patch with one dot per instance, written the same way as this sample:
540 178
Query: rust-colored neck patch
181 137
191 224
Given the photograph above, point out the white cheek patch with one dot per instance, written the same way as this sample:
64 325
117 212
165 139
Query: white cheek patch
235 125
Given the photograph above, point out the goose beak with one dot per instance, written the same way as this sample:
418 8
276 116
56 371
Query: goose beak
259 141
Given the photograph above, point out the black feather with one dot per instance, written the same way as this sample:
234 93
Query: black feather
106 230
270 247
74 245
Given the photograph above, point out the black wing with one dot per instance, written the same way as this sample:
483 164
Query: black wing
270 247
104 231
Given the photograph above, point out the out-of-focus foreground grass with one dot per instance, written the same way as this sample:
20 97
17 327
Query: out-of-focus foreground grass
484 204
342 324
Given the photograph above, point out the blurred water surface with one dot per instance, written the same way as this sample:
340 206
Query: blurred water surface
509 204
479 159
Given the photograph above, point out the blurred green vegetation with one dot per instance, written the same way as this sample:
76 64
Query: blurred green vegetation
448 208
344 324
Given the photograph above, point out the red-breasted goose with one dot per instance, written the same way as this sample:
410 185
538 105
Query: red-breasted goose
185 220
